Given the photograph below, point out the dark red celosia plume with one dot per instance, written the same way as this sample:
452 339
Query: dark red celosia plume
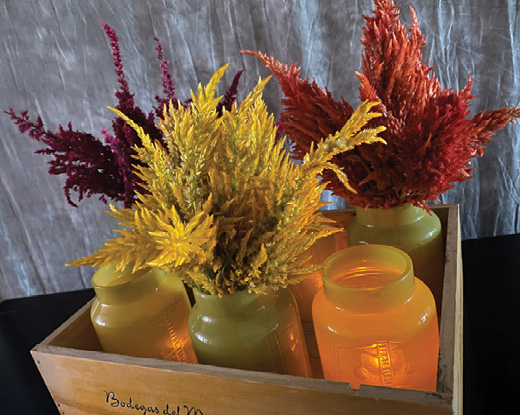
90 165
429 139
125 137
106 169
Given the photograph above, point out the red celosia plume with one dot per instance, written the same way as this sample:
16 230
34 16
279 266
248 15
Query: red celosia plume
106 169
430 140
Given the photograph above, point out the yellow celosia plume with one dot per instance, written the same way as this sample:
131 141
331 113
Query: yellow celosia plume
223 206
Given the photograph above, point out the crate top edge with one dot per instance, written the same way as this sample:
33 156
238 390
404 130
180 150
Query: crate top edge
41 351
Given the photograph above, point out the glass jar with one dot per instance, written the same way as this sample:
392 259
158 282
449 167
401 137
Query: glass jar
142 314
375 323
305 290
410 229
249 331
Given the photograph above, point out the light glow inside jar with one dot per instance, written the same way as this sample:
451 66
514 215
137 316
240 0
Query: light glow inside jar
375 323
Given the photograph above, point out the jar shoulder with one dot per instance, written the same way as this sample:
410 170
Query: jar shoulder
168 296
408 317
265 315
425 229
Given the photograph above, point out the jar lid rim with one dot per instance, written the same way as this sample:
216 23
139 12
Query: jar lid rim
405 278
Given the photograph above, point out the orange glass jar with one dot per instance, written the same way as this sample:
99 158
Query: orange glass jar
142 314
375 323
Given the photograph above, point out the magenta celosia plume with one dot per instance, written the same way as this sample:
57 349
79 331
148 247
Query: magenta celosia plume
430 139
104 168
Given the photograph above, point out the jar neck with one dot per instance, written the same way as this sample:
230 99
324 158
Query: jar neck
229 304
115 287
395 216
368 278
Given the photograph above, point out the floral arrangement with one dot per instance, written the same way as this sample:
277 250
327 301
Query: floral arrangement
430 140
105 168
223 206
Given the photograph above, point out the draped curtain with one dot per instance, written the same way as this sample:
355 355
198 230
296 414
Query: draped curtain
56 62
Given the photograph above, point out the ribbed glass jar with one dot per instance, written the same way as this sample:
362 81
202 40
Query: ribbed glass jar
411 229
142 314
250 331
375 323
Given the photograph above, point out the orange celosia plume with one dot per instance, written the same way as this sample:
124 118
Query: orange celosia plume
430 139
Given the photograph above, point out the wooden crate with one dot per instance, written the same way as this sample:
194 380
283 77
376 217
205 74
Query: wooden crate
84 380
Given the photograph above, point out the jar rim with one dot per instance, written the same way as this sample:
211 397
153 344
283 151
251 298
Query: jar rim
397 289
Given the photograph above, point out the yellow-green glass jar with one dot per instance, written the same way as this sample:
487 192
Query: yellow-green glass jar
250 331
142 314
375 323
409 228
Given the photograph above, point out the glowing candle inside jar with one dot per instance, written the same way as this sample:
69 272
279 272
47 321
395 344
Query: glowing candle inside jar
375 323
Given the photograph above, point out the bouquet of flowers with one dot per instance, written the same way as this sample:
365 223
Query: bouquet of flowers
430 139
223 205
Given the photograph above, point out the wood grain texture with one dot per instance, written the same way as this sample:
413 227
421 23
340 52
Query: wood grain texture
83 380
80 383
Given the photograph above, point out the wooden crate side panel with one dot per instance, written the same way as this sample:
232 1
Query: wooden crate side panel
82 386
451 306
77 332
458 361
451 351
443 211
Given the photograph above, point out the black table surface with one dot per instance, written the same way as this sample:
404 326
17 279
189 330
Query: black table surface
491 334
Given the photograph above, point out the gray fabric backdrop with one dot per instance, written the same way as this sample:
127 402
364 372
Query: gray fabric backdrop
56 61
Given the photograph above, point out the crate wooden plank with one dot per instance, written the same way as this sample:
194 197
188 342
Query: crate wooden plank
84 380
92 383
449 374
